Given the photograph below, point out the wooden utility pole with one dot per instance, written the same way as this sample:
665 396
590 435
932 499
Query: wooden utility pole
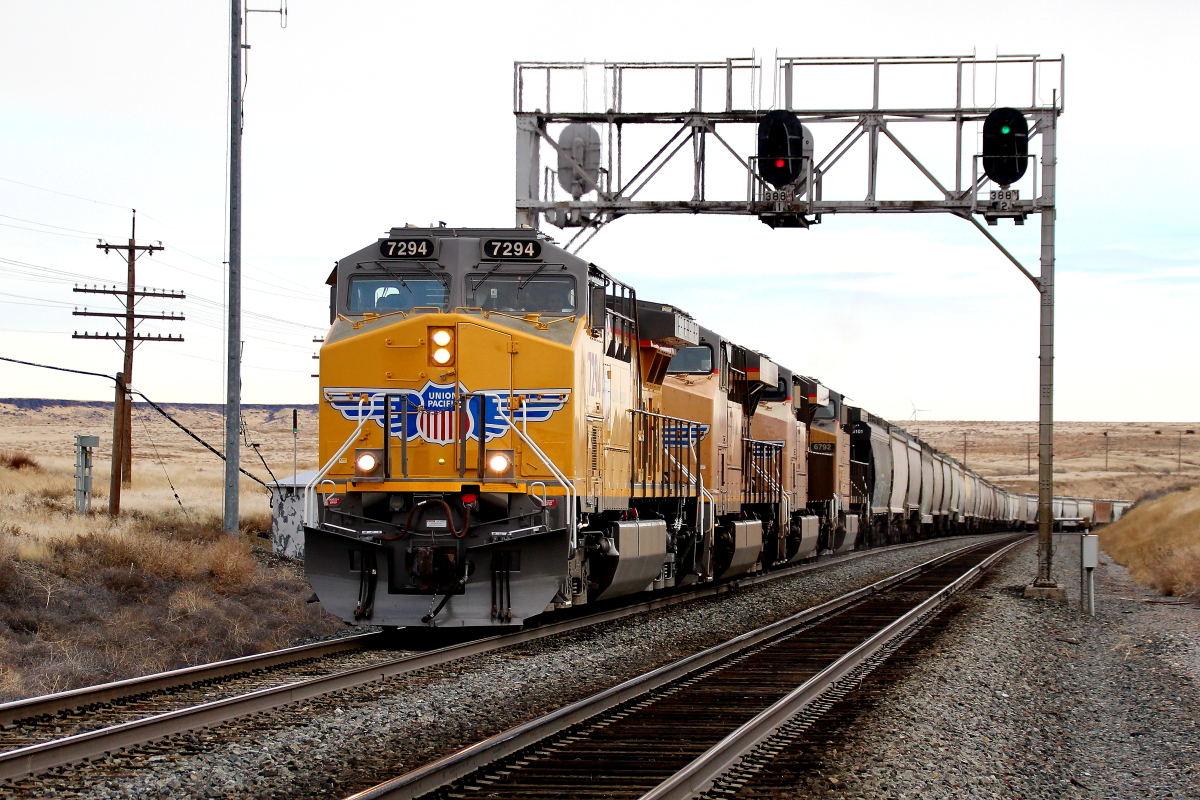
114 480
233 331
130 295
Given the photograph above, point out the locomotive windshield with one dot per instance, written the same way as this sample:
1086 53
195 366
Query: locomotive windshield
694 360
396 292
523 294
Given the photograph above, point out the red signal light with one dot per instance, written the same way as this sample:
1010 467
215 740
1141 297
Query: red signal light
779 162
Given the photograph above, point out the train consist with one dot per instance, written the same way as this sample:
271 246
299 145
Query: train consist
505 429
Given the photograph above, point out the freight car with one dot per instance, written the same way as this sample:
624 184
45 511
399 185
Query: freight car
506 429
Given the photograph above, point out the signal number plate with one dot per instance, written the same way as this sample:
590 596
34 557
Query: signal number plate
519 249
406 248
1004 199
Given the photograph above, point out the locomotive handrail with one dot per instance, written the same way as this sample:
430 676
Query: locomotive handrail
310 498
704 493
651 441
572 520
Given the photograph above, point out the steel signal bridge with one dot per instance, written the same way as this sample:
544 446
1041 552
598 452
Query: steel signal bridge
615 134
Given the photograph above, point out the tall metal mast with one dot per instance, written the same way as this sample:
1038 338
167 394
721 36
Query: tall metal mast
233 373
1048 126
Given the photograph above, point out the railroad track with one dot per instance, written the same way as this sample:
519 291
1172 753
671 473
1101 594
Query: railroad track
54 730
707 724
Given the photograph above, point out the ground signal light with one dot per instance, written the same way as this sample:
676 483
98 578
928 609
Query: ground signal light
781 148
1005 146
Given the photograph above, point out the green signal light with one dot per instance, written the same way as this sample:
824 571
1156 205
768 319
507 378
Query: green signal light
1005 130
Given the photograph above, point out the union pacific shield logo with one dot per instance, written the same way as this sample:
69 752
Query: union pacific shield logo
430 413
436 416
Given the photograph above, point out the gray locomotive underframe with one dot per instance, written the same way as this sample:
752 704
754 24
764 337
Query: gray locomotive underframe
611 195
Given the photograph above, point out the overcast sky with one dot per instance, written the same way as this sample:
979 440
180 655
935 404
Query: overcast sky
366 115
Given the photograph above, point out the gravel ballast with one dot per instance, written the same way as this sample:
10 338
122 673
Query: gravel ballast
343 742
1021 698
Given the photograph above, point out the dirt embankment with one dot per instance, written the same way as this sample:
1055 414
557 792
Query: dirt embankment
84 599
1159 543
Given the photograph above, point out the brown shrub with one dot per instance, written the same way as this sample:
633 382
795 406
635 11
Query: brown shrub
13 459
139 597
256 525
230 565
1159 543
9 576
32 551
129 582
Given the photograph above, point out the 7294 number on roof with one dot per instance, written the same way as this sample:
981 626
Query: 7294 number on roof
520 249
406 248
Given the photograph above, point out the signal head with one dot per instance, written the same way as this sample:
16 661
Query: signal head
1005 146
782 145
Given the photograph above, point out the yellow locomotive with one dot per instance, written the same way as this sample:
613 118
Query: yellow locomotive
501 432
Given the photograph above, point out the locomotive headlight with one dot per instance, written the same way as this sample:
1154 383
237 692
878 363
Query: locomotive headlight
441 346
498 465
368 464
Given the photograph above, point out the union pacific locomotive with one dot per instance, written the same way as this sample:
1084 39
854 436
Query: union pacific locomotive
505 429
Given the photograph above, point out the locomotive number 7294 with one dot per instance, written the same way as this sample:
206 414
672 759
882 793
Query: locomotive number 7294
406 248
525 249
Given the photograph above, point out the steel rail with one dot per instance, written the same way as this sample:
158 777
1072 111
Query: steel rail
699 776
34 758
437 774
50 704
70 700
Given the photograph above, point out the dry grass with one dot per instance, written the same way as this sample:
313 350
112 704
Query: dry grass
86 599
1159 543
12 459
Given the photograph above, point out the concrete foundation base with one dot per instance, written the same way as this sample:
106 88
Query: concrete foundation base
1057 593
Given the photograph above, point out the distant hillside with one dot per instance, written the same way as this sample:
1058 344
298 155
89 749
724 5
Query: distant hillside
43 412
43 403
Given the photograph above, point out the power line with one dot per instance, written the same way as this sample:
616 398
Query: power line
115 205
49 233
130 296
153 405
64 194
48 225
63 276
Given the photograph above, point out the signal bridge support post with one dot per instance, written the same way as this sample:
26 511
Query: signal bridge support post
1044 584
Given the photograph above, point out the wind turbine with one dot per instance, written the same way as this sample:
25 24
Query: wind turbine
915 410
